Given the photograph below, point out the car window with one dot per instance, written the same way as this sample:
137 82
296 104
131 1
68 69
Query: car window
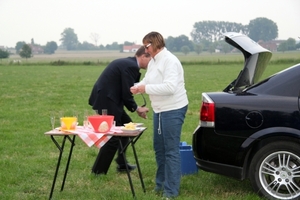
284 83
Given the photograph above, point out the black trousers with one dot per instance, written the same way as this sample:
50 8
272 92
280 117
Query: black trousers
107 152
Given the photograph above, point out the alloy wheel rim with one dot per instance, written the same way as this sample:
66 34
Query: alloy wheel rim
279 175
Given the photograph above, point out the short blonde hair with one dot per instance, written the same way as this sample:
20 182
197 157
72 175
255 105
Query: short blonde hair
156 39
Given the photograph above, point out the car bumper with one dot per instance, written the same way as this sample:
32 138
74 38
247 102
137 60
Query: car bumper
213 153
218 168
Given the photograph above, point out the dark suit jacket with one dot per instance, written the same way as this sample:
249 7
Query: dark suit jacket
112 89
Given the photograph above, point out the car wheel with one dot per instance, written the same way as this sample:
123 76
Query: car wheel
275 171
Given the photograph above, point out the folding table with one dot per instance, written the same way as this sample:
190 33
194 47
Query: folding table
91 138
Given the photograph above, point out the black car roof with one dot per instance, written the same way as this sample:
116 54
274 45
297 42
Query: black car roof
283 83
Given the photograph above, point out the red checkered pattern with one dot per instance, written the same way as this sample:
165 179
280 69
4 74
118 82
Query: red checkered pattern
89 137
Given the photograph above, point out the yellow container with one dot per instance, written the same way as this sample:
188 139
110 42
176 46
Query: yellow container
68 123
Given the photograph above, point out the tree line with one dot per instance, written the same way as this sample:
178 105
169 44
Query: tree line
206 36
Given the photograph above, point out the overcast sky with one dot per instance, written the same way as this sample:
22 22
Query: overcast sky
130 20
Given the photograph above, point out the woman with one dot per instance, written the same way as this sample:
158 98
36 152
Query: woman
164 83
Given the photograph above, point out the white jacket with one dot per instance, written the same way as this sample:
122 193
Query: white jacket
164 82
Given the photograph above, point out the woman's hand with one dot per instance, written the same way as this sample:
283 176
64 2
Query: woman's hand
134 89
137 89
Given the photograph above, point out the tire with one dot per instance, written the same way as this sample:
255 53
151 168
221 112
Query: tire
275 171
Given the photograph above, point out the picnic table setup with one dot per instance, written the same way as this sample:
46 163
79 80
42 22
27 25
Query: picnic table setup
96 132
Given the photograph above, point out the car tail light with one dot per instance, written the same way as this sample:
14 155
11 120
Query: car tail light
207 113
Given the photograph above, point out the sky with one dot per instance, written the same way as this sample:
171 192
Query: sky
130 20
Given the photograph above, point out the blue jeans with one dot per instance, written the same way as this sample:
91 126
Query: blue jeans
167 130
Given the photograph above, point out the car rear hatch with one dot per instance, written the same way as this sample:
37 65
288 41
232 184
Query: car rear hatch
256 60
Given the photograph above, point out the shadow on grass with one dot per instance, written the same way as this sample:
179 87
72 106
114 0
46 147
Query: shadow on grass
214 186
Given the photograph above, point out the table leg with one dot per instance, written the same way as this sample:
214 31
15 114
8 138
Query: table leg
60 148
136 160
127 170
72 141
138 166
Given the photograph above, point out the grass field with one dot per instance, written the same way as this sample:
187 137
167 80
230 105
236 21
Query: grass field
29 92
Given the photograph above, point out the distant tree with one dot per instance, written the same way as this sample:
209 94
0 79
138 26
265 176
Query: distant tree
298 45
213 30
185 50
50 47
198 48
108 47
69 39
222 46
291 44
283 46
262 29
3 54
170 43
225 47
211 48
26 51
183 40
95 38
175 43
32 41
19 45
126 43
288 45
86 46
101 47
113 46
121 47
174 49
205 44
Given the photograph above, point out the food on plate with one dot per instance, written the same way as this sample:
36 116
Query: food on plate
130 126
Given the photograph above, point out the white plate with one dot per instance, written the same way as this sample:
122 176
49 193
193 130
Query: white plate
137 124
130 131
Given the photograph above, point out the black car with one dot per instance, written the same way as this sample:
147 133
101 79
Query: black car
251 130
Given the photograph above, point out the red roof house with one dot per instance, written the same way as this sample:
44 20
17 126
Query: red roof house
132 48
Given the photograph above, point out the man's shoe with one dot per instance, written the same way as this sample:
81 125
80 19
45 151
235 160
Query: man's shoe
122 167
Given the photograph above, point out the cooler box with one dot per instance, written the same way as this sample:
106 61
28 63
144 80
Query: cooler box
188 163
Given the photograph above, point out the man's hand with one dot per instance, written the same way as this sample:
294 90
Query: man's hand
142 112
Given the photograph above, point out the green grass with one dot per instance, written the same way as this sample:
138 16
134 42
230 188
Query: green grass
28 157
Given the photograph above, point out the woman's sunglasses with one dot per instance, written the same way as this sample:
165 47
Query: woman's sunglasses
147 46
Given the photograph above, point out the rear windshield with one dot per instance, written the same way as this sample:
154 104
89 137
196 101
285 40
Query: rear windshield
284 83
